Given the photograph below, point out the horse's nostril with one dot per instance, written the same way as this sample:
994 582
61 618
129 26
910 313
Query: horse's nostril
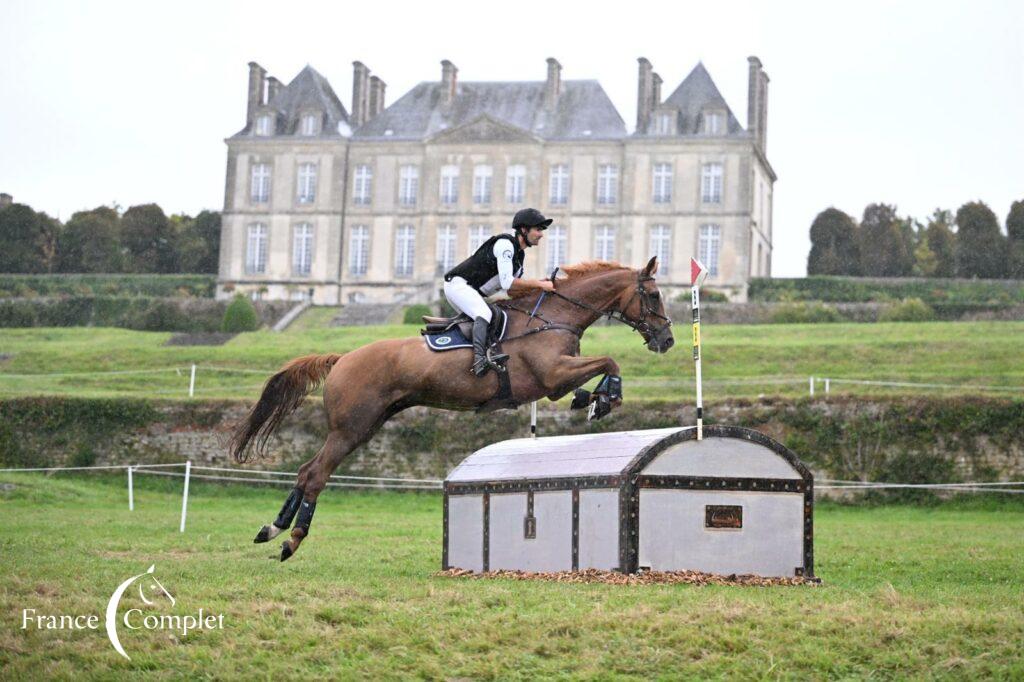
669 343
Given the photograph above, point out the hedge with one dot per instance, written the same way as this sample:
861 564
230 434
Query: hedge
137 312
162 286
865 289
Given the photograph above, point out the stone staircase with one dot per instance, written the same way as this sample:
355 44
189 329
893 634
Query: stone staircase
363 314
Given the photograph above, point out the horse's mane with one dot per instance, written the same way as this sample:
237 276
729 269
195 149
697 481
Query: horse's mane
589 267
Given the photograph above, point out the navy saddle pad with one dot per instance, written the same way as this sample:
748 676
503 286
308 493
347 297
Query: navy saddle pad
454 338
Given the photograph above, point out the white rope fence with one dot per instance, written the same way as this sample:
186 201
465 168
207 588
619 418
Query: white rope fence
193 373
338 481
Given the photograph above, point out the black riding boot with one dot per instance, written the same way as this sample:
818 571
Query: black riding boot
480 362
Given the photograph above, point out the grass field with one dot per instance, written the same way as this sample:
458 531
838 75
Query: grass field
739 360
908 592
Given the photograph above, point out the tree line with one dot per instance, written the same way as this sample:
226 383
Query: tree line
968 244
142 239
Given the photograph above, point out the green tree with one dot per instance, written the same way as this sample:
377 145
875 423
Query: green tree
834 249
884 249
981 247
28 240
942 242
1015 233
149 238
91 242
199 242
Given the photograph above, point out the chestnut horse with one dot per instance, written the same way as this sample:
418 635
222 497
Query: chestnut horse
366 387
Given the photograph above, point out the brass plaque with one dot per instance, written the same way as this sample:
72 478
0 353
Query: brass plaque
530 528
723 516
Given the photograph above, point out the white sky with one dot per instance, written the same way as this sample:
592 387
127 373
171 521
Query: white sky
918 104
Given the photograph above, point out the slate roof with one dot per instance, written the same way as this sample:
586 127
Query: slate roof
582 106
694 94
309 90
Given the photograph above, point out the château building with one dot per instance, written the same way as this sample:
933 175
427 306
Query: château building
376 203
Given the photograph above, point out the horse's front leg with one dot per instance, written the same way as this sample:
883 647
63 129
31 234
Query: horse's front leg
569 372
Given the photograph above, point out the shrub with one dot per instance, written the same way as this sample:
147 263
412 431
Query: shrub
414 313
240 316
908 310
796 313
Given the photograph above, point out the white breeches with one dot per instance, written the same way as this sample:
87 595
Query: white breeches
466 299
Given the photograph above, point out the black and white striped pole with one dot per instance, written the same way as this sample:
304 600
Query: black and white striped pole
697 276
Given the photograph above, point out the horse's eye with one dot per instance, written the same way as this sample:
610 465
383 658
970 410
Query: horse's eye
655 295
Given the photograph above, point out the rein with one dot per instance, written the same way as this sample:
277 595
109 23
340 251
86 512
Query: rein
641 326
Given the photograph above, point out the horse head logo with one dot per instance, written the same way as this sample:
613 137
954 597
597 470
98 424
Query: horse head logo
151 585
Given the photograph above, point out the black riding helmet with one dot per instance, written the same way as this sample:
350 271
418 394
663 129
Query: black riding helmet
526 218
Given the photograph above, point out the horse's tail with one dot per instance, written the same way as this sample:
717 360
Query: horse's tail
282 393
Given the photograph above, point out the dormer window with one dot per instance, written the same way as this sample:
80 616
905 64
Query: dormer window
263 125
665 123
714 123
309 125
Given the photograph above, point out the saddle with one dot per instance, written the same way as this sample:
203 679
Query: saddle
447 333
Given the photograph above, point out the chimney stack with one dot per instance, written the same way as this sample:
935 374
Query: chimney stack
273 87
6 200
554 83
360 94
645 89
757 103
376 96
449 78
655 91
257 79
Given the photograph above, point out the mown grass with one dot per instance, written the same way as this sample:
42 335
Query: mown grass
964 354
908 592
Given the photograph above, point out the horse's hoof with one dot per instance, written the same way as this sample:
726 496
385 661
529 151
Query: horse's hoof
580 399
263 535
286 551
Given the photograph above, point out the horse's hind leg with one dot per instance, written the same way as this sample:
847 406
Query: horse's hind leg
313 480
290 508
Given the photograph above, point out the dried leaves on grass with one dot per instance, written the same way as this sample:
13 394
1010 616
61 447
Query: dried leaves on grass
592 575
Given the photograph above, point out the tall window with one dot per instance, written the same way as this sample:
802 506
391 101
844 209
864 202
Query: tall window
256 249
363 188
309 125
556 240
408 185
662 183
515 184
711 183
478 234
405 250
302 250
482 184
559 185
260 187
708 249
664 124
307 183
446 247
449 185
263 125
604 242
713 124
359 250
661 245
607 183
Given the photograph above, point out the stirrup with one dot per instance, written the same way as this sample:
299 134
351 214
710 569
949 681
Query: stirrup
481 366
495 359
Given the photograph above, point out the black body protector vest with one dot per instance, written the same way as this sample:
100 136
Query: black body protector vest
482 267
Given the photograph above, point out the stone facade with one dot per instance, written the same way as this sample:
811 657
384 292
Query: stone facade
374 205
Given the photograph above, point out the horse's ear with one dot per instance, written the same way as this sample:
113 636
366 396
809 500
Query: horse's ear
652 267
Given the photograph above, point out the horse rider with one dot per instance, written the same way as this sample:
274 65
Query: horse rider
497 266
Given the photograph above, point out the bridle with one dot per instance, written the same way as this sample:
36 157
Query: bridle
645 328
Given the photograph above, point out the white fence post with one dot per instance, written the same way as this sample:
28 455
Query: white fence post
192 383
533 419
826 386
810 386
184 495
131 492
